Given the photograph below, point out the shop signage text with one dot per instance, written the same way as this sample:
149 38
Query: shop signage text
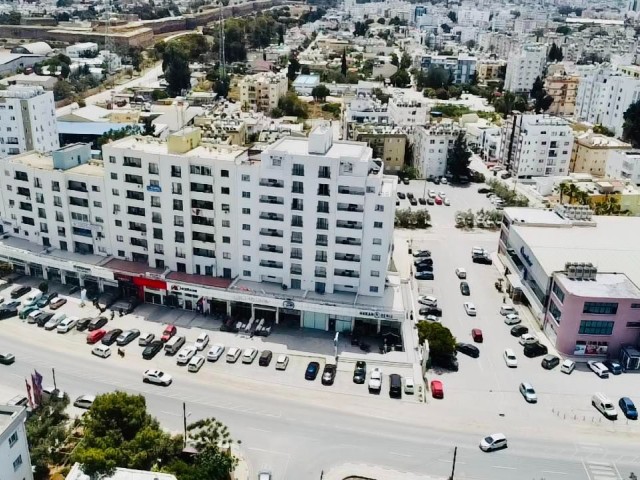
375 314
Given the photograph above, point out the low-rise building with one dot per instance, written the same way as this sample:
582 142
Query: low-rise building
388 144
262 91
76 473
563 89
304 84
14 449
461 66
489 69
408 111
590 153
625 165
82 49
431 147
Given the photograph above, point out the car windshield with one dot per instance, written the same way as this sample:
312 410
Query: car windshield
488 439
530 391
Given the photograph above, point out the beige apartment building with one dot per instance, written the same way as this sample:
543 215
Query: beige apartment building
563 89
489 69
591 152
262 91
388 144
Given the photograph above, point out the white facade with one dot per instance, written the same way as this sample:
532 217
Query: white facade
604 95
27 121
15 461
524 66
408 112
536 145
262 91
431 146
309 214
75 51
364 109
624 165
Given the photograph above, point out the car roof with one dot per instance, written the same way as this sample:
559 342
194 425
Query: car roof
281 358
498 436
527 385
509 351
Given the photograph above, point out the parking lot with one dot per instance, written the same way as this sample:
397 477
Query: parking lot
485 387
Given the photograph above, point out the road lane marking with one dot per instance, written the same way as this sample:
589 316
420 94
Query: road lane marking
554 473
259 430
504 468
255 449
401 454
451 461
171 413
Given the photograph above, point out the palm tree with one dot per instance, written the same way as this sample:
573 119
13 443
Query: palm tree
582 197
572 191
563 188
609 206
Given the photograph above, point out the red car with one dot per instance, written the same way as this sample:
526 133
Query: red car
57 303
437 391
96 336
438 200
476 334
169 332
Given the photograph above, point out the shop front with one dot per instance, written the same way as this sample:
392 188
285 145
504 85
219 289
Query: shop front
54 274
36 270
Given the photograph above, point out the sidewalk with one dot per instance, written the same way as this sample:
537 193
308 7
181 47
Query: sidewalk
370 472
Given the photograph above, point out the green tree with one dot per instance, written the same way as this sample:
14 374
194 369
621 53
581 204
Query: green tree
563 30
608 206
459 157
405 61
280 34
343 64
394 60
290 104
292 69
538 87
320 93
543 102
380 95
631 126
470 44
602 130
400 79
436 77
360 29
381 21
148 128
555 53
175 64
441 342
136 57
61 90
453 16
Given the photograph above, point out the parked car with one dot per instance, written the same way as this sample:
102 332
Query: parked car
55 321
215 352
375 380
83 324
413 202
422 254
527 338
568 366
233 354
102 351
430 311
527 391
464 289
126 337
202 341
125 305
598 368
152 349
468 349
424 268
422 201
97 323
33 316
409 386
84 401
428 300
493 442
628 408
461 272
46 299
42 320
510 358
111 336
145 339
57 303
401 195
95 336
423 261
549 362
312 371
195 364
507 310
430 201
282 362
470 308
157 377
437 390
483 259
533 350
8 312
7 358
186 354
512 319
20 291
67 324
519 330
25 311
329 374
476 334
265 358
249 355
424 276
169 331
614 366
360 372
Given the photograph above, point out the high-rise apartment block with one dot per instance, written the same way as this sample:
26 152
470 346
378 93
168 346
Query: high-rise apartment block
524 66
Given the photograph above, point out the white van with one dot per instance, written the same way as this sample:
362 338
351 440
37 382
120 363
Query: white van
599 368
32 298
283 361
174 344
233 354
507 309
604 406
568 366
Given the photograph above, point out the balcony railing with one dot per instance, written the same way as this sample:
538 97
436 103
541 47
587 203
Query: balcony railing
350 191
343 207
272 200
270 264
347 224
277 217
270 182
197 220
271 248
271 233
346 257
348 241
346 273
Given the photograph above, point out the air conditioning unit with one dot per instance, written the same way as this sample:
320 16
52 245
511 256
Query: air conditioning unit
580 271
570 269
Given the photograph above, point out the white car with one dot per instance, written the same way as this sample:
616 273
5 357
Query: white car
409 386
527 391
461 272
195 363
249 355
215 352
528 338
31 318
55 321
442 195
508 310
157 377
145 339
470 308
494 441
101 351
428 300
443 181
599 368
510 358
447 202
67 324
512 319
432 194
186 354
202 341
84 401
432 318
375 381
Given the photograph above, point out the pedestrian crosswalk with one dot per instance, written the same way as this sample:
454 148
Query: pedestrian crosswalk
601 470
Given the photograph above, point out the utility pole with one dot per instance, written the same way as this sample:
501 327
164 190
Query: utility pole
53 371
453 468
184 424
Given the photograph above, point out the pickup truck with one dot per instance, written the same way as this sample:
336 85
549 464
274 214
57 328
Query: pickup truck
375 381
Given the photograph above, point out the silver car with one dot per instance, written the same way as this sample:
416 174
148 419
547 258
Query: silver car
527 391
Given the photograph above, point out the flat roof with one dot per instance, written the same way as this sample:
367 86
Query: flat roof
39 250
89 128
302 80
44 161
611 245
535 216
607 285
6 417
160 147
300 146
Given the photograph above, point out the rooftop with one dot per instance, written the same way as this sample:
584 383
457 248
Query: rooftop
302 80
76 473
20 247
22 92
7 414
342 149
44 161
607 285
595 140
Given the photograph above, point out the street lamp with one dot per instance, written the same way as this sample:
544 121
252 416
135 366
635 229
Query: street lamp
185 415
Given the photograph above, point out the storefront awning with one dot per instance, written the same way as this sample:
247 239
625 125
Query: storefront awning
514 280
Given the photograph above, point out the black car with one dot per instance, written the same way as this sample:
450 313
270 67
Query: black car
413 201
8 312
401 195
405 181
7 358
152 349
519 330
409 195
614 366
449 362
360 372
424 268
107 300
127 337
97 323
265 358
329 374
422 254
423 261
464 289
430 311
484 190
533 350
46 299
482 259
468 349
312 371
42 319
424 276
20 291
111 336
83 324
422 201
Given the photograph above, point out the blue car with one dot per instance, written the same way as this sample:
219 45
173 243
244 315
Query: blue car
628 408
614 366
312 371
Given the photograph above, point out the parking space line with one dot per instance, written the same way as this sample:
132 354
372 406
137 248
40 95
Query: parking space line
401 454
503 467
554 473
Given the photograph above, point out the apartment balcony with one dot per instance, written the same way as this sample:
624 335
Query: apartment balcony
275 217
78 202
350 191
203 237
269 232
136 242
346 273
199 220
27 207
132 162
140 212
21 176
349 241
271 248
271 264
201 205
25 192
271 182
137 227
132 195
350 207
295 270
347 257
135 179
271 200
349 224
77 186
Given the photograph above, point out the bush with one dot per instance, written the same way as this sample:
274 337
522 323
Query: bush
508 195
405 218
43 287
441 342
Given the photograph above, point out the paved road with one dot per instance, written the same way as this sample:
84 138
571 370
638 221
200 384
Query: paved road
296 432
148 78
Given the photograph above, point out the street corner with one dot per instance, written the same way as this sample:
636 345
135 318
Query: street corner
352 471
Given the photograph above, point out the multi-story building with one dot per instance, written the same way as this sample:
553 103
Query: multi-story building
461 67
625 165
388 144
524 66
489 69
551 258
563 89
364 109
604 95
262 91
15 461
496 43
431 146
27 121
536 145
407 111
591 151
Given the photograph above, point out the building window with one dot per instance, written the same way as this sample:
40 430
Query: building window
178 220
633 324
246 226
97 204
225 191
246 258
246 243
224 173
177 205
119 238
596 327
296 221
246 211
322 224
377 224
112 159
226 239
13 439
296 237
298 187
226 223
17 463
153 168
246 194
555 311
324 172
375 258
115 192
635 305
246 178
559 293
55 186
176 171
155 202
377 241
297 170
179 237
226 255
297 204
246 273
114 176
276 162
375 273
379 208
373 289
600 308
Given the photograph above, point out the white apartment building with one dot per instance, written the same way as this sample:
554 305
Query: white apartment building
364 109
15 461
624 165
536 146
56 200
408 111
431 146
262 91
524 66
604 95
27 121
